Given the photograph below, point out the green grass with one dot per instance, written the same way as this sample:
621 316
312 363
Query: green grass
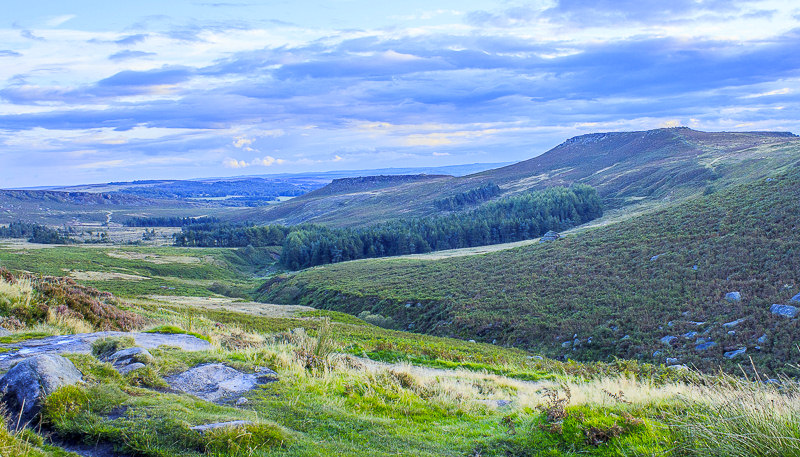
601 284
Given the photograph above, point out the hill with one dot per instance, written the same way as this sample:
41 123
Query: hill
625 167
649 288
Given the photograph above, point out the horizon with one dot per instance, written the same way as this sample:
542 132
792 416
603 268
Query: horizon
190 90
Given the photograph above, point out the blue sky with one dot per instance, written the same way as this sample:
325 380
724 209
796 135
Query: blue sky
98 91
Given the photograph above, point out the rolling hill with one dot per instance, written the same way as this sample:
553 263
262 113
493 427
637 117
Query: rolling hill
625 167
650 287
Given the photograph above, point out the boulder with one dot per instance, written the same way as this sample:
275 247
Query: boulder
689 335
783 310
796 298
125 369
31 380
672 361
129 359
734 323
217 382
732 354
762 339
549 236
705 346
733 296
668 339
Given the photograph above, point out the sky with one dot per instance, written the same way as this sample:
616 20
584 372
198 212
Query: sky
96 91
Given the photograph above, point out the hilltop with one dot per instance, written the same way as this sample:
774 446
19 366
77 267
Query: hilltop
625 167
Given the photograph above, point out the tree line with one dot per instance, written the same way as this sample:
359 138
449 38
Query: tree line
35 233
470 197
513 218
173 221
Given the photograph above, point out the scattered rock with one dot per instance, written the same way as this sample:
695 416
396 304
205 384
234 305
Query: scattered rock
783 310
733 296
694 267
668 339
796 298
241 401
705 346
216 425
549 236
566 344
734 323
672 361
626 337
30 381
731 332
689 335
732 354
123 370
656 353
501 403
678 367
471 341
655 257
215 382
762 339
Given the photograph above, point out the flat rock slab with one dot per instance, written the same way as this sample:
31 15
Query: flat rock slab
215 382
82 343
214 426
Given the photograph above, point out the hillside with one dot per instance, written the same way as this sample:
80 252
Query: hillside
613 291
625 167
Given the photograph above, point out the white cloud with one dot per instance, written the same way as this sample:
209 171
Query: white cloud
267 161
233 163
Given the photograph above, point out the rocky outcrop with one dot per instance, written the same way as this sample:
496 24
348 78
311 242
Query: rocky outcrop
733 296
30 381
127 360
216 382
82 343
549 236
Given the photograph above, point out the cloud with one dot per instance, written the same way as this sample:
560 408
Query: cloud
59 20
267 161
233 163
132 39
29 35
9 53
127 54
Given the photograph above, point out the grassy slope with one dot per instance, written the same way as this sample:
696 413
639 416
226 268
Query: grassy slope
742 239
625 167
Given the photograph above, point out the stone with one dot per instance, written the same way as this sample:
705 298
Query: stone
501 403
549 236
694 267
668 339
130 355
762 339
566 344
655 257
733 296
689 335
796 298
81 343
471 341
732 354
678 367
125 369
656 353
672 361
626 337
731 332
734 323
242 401
215 382
216 425
705 346
783 310
31 380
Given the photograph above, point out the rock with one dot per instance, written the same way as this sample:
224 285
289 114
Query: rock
216 425
783 310
689 335
30 381
733 296
4 332
796 298
731 332
668 339
702 340
549 236
125 369
671 361
670 323
656 353
82 343
734 323
471 341
762 339
732 354
215 382
697 323
705 346
241 401
678 367
694 267
501 403
655 257
566 344
626 337
130 355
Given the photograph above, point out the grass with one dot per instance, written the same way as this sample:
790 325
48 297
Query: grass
539 297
